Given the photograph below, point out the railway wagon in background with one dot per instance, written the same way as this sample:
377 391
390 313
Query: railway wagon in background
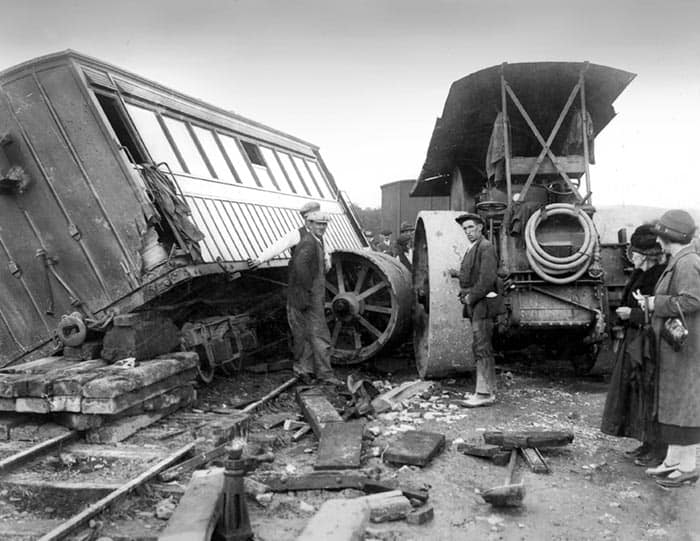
514 144
125 203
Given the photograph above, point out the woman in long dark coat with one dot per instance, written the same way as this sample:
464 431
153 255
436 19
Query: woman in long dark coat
678 290
629 405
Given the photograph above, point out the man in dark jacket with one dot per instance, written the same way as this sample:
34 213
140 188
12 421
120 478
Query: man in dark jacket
477 282
305 305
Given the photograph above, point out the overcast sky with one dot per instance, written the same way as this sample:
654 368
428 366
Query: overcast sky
365 80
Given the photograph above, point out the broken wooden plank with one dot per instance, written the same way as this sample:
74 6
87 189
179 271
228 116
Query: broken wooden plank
78 520
387 506
373 486
147 373
123 427
303 431
281 482
118 403
340 446
483 451
69 382
16 460
199 509
414 447
534 460
405 391
420 516
338 520
531 438
317 409
496 454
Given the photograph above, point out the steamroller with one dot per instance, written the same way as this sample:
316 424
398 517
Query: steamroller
442 340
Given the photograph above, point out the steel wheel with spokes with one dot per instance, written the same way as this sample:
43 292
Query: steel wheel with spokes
368 304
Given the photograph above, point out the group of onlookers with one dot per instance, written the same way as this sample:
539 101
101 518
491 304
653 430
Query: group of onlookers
654 393
401 248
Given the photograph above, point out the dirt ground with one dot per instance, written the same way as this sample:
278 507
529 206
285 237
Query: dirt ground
593 492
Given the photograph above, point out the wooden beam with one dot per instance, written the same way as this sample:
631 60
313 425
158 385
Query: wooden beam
317 409
199 509
532 438
339 520
340 446
78 520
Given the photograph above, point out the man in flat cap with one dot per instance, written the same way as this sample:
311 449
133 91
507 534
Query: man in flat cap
290 240
306 291
477 282
404 245
384 244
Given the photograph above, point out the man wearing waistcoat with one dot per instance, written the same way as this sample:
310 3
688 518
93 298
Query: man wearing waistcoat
477 282
306 293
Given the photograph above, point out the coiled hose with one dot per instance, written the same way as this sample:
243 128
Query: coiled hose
552 268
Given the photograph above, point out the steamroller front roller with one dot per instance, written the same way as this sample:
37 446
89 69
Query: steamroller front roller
442 338
368 304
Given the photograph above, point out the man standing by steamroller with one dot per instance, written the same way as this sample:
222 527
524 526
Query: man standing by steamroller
478 287
306 293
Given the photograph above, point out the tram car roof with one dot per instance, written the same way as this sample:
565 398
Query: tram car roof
462 133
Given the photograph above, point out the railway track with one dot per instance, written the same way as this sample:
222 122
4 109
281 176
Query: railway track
64 488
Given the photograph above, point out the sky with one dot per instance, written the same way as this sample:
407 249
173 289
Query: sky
365 80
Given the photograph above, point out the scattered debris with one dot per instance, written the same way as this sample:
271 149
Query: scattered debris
316 409
388 506
339 520
509 494
421 515
340 446
414 447
389 399
534 438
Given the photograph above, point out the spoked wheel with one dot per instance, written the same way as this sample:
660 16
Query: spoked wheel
442 339
368 304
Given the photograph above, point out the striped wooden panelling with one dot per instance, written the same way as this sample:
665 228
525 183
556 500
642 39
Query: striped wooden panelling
237 231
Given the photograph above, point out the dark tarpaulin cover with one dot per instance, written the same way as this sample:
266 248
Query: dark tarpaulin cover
461 135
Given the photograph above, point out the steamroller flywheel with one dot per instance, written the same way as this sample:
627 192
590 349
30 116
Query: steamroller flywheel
368 304
442 338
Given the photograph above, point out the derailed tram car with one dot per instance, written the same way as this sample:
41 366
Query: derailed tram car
514 144
125 205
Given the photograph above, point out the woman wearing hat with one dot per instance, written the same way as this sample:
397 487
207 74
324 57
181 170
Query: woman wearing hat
678 409
629 405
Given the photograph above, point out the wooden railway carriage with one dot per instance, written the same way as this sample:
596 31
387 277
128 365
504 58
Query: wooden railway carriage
514 144
119 195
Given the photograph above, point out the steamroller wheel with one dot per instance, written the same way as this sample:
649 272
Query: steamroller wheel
368 304
442 338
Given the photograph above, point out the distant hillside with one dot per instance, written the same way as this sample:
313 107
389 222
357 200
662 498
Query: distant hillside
609 219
